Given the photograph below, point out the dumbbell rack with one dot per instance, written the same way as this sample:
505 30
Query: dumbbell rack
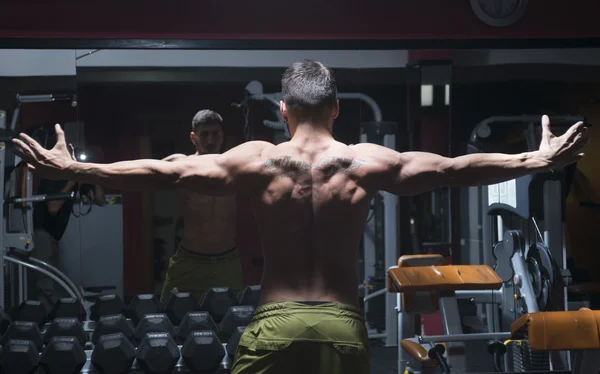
154 322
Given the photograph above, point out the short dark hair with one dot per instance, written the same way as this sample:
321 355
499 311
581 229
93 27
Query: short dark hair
308 88
206 117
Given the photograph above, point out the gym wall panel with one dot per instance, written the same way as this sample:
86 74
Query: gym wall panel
274 19
36 62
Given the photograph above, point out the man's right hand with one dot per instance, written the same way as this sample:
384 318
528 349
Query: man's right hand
47 163
560 151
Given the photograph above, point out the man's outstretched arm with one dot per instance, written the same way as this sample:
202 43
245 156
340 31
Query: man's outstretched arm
208 174
412 173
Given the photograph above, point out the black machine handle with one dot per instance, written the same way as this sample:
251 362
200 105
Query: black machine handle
42 198
437 353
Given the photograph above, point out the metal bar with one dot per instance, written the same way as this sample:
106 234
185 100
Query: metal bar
465 337
58 273
390 206
3 222
375 294
22 296
43 197
452 324
377 336
481 297
43 271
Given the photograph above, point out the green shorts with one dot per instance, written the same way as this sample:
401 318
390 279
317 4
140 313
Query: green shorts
197 273
291 337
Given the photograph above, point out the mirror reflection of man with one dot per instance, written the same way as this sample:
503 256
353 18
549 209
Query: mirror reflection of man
206 256
50 220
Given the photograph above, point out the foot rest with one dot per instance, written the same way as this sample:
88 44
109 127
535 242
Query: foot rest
442 278
557 331
584 288
418 353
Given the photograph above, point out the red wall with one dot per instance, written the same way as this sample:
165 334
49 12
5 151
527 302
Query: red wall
276 19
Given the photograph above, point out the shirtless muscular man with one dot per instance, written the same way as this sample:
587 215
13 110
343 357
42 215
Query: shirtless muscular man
206 256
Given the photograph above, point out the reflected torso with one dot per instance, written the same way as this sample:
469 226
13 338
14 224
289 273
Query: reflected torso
209 222
311 212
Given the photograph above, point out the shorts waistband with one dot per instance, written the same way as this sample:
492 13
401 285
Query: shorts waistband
228 255
287 307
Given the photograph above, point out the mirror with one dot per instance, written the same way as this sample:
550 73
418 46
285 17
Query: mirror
141 104
118 105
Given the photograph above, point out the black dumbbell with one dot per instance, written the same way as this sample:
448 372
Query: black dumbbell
67 307
235 317
23 330
68 326
217 301
233 342
157 353
178 305
113 324
154 323
19 357
5 321
63 355
202 351
32 311
250 296
107 305
141 305
194 321
113 354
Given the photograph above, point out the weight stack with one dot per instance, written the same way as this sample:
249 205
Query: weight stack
526 360
376 313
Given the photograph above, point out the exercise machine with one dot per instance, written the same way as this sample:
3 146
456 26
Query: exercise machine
379 242
520 225
522 232
421 285
16 223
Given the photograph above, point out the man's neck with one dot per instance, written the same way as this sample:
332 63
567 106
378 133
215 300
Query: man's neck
310 132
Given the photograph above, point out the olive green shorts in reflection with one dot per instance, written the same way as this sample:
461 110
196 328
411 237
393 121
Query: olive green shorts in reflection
290 337
197 273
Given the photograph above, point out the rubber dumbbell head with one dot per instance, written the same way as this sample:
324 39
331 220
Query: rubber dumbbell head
23 330
63 355
233 342
154 323
195 321
68 326
217 302
19 357
178 305
202 351
107 305
235 317
250 296
113 354
32 311
67 307
141 305
113 324
157 353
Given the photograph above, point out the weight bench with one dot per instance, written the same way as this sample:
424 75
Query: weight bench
425 286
